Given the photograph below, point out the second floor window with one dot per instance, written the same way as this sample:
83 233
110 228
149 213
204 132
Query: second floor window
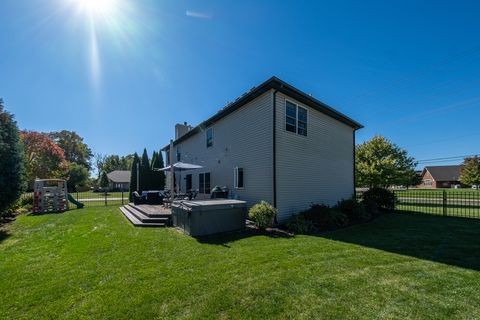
295 118
209 136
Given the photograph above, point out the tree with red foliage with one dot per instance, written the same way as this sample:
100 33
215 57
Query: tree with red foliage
43 158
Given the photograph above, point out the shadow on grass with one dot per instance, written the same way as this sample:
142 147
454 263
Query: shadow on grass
224 238
449 240
3 235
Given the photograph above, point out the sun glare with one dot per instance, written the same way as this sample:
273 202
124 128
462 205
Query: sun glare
112 24
98 7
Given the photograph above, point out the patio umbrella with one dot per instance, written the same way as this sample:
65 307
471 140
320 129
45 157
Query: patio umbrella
179 167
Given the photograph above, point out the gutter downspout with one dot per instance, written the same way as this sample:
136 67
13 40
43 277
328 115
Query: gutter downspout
354 168
274 158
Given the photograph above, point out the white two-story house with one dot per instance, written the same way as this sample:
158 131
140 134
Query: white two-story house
274 143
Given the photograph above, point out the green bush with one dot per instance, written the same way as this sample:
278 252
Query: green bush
262 214
382 198
325 218
300 225
354 210
370 206
26 202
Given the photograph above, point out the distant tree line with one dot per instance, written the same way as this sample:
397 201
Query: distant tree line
28 155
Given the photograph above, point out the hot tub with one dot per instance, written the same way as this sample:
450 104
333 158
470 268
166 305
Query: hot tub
200 218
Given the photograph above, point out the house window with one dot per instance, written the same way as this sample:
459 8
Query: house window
238 178
188 182
204 183
209 136
428 182
295 118
291 117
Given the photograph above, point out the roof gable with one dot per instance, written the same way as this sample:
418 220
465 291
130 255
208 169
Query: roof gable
281 86
119 176
444 173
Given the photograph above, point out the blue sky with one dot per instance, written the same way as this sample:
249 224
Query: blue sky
123 76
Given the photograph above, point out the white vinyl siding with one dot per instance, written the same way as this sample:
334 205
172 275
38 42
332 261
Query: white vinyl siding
317 168
241 139
314 162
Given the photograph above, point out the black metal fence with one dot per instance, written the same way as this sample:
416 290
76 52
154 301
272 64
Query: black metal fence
447 202
91 199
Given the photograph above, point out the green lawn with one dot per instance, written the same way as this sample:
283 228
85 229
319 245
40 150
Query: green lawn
92 263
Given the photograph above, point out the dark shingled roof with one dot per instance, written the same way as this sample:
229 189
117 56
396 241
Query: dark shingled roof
445 173
119 176
281 86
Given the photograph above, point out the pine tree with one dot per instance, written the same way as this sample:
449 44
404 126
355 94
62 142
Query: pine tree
11 161
145 171
104 183
158 177
133 176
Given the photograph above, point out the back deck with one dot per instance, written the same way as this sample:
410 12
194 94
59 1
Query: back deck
147 215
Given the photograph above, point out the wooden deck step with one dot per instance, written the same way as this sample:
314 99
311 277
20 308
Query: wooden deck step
148 218
139 223
152 211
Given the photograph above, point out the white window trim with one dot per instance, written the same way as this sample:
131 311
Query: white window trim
206 137
235 178
296 118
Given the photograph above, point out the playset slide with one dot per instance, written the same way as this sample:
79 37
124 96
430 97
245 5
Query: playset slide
75 202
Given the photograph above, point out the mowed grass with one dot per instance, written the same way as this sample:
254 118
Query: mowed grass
91 263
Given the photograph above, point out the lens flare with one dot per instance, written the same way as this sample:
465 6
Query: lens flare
98 7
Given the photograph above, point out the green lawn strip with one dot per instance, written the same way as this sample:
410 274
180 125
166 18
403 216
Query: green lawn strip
91 263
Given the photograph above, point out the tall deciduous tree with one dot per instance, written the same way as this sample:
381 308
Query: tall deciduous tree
43 158
470 174
381 163
133 175
11 160
74 149
109 163
77 177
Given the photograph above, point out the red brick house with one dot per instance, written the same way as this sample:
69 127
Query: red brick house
440 176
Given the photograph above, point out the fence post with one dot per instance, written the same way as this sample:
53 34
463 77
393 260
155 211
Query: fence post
444 202
77 195
122 197
105 198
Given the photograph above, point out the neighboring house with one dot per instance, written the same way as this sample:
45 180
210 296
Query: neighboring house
274 143
440 176
119 180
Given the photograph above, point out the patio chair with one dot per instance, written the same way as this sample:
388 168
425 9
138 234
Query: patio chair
219 193
192 195
138 199
154 198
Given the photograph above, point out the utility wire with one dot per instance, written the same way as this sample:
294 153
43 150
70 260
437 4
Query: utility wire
446 159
